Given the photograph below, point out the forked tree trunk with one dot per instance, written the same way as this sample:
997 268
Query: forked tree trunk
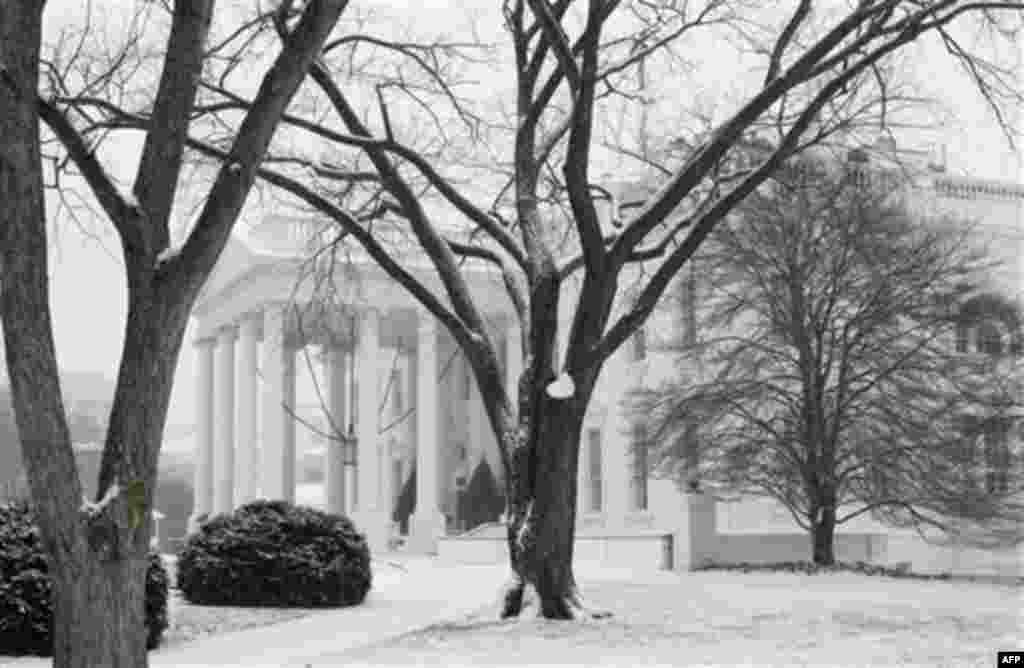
100 584
542 520
541 526
99 615
823 537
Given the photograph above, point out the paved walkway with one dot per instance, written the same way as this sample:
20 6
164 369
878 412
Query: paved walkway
426 593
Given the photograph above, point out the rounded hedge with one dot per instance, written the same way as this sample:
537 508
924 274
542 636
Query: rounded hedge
275 553
26 610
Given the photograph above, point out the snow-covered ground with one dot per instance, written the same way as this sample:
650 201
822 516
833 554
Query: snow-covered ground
660 618
735 619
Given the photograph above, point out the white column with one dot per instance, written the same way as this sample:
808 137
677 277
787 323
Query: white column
288 437
427 521
351 413
203 481
615 443
385 416
224 421
513 363
369 518
246 455
277 437
334 456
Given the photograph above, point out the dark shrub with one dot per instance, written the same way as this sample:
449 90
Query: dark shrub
275 553
809 568
26 611
157 584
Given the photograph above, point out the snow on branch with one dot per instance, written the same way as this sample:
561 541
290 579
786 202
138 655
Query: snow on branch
93 509
129 198
562 387
168 254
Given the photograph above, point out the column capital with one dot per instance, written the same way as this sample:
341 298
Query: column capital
338 333
364 310
426 329
368 319
227 332
251 318
204 342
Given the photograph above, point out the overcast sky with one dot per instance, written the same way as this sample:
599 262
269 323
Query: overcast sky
88 289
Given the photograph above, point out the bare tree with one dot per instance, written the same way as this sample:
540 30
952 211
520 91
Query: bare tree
98 549
823 72
831 380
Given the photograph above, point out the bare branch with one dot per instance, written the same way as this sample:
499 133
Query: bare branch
122 213
157 177
559 42
236 175
803 9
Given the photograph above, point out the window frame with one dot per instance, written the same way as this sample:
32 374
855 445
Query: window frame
594 472
639 469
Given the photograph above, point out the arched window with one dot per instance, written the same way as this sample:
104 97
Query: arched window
989 325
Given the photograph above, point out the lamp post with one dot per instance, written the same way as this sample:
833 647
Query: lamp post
349 444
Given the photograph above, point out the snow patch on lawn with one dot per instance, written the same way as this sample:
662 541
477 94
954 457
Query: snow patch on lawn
732 619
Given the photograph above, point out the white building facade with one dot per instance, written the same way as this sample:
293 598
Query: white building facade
418 458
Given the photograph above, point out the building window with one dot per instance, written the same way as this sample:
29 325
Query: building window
397 480
640 345
986 455
467 378
997 456
398 392
688 306
991 325
962 339
638 469
594 480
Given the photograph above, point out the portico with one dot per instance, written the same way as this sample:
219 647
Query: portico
246 431
408 441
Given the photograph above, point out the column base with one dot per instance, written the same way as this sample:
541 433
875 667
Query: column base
376 525
424 530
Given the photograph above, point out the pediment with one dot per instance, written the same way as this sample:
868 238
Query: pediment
235 261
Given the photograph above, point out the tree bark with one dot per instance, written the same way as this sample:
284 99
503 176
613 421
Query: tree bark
541 526
99 551
823 537
99 615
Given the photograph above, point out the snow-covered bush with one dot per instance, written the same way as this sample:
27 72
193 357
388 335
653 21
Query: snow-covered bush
275 553
26 611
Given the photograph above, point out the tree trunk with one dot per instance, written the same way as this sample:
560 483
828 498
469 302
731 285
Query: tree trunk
541 527
99 614
823 537
542 520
